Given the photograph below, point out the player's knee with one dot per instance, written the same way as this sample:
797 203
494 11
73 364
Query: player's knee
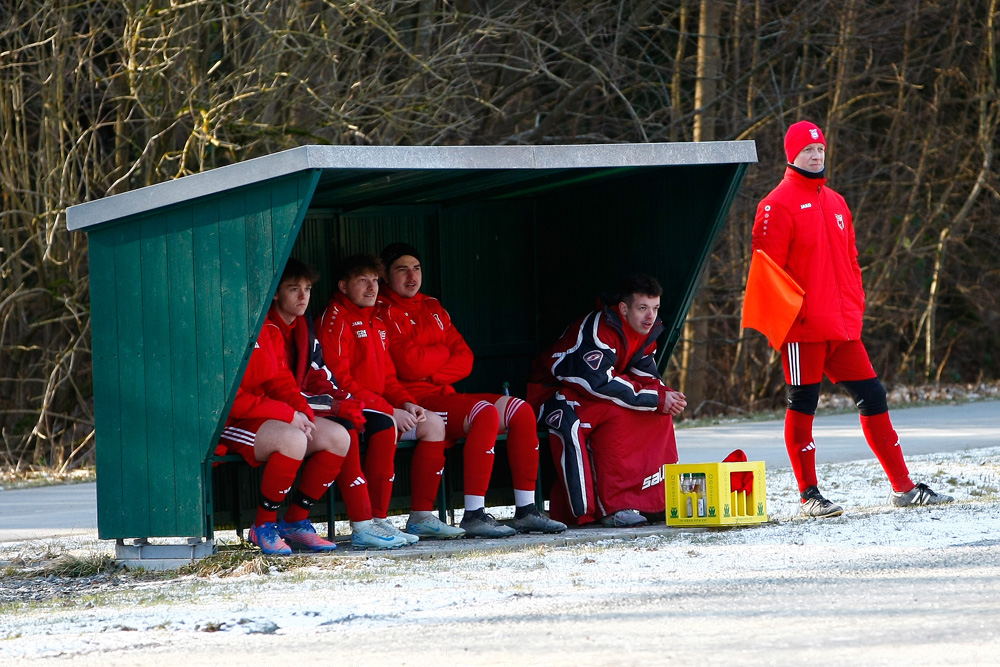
484 412
803 398
293 444
339 440
868 395
518 414
432 428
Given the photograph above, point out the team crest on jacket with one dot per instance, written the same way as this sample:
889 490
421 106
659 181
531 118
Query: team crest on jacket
594 358
840 220
555 419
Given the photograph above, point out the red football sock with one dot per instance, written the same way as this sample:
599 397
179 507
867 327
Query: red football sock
885 443
478 449
279 475
425 474
522 444
352 484
318 473
801 449
380 469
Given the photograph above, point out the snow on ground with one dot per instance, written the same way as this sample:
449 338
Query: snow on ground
869 566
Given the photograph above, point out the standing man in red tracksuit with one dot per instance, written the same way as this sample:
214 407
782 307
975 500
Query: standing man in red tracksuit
304 358
609 415
271 424
354 341
806 228
429 355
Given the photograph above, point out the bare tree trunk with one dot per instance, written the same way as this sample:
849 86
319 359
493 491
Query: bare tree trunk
694 352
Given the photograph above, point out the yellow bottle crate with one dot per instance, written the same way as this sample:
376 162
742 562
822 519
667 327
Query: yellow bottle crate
719 505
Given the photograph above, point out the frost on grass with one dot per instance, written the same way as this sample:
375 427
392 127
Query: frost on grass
240 593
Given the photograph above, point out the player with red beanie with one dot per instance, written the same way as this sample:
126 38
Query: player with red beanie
806 228
430 355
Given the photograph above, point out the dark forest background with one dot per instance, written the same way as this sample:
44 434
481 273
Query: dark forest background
98 98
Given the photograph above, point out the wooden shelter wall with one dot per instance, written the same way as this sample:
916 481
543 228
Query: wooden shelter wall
178 297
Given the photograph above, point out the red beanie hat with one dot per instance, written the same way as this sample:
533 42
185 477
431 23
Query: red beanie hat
800 135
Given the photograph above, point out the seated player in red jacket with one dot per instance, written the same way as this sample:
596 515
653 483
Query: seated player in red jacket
305 359
353 339
608 412
429 355
271 424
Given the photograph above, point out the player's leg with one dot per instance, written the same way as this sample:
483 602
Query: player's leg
518 420
367 495
568 440
803 365
281 447
325 453
850 366
426 470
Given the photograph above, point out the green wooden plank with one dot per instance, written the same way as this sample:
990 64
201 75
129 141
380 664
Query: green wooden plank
260 252
290 199
212 387
156 374
135 464
235 310
107 390
182 319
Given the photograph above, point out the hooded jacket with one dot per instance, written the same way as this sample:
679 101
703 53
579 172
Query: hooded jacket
427 350
806 228
268 390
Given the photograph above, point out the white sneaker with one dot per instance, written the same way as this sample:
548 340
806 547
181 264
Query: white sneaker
392 530
373 536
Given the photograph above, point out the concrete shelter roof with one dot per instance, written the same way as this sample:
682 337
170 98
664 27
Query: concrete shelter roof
358 176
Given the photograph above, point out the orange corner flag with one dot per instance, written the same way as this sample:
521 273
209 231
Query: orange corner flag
772 301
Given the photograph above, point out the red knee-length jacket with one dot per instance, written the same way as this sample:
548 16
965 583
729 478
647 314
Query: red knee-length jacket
354 347
427 350
807 229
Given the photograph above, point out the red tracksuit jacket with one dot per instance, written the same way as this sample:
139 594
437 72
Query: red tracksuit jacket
806 228
268 390
353 341
428 352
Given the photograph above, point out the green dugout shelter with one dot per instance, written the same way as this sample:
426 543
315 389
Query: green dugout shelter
517 241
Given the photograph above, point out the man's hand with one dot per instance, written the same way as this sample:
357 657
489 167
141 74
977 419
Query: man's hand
674 403
415 410
304 424
405 420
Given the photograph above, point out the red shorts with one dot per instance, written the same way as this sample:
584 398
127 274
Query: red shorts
238 438
805 363
454 409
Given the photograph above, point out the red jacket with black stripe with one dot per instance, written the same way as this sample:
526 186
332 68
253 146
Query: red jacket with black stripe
354 346
427 350
806 228
585 363
268 390
305 356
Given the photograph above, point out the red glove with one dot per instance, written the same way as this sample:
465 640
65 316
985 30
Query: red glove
351 410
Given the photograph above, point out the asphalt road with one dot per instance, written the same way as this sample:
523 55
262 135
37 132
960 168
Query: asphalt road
60 511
